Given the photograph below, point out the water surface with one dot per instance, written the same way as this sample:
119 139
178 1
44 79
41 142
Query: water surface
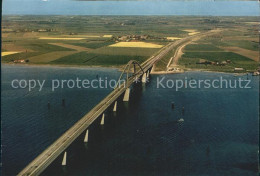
219 135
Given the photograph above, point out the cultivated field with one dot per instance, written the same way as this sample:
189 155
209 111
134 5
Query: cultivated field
48 57
74 47
254 55
191 31
114 40
173 38
8 53
136 45
53 38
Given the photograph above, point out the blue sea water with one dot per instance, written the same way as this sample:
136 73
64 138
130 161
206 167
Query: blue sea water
219 135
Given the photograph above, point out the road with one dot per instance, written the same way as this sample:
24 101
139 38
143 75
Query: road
178 53
179 45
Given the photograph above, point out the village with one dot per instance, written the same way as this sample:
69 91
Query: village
135 38
217 63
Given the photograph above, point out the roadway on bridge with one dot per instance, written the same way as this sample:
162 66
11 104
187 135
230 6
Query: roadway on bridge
40 163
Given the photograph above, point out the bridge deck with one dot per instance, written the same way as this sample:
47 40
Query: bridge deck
40 163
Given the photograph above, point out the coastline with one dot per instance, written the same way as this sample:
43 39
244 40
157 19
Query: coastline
119 68
62 66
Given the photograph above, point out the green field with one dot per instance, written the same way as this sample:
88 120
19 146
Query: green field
38 48
91 59
202 47
250 45
94 45
24 55
44 47
212 48
21 34
125 51
189 59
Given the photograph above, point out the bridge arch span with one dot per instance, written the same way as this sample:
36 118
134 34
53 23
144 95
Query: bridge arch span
131 67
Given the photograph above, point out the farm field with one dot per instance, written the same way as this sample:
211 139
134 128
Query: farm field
136 45
91 59
201 47
173 38
254 55
78 48
240 51
191 31
191 58
51 56
53 38
8 53
94 44
114 40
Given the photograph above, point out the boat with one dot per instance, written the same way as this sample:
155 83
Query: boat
181 120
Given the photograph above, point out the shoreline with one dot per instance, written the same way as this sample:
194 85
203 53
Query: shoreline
118 68
62 66
196 70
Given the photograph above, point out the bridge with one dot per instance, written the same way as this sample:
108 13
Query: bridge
133 71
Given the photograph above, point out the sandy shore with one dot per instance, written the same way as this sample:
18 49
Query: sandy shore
165 72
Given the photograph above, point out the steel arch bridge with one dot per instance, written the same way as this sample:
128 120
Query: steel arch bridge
131 67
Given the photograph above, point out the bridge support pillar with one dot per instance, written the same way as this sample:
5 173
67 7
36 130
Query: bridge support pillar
102 120
64 160
152 69
115 107
86 137
148 73
127 94
144 78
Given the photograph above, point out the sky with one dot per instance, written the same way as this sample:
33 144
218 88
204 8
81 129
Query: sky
123 7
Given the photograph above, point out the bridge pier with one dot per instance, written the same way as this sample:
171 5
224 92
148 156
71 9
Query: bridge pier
86 137
57 148
148 74
102 120
144 78
115 107
127 95
64 160
152 69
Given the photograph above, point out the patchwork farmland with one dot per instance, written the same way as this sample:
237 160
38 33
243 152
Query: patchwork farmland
113 41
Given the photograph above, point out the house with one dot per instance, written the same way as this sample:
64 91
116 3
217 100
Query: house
21 61
174 69
144 37
224 62
122 38
228 61
42 30
238 69
203 61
